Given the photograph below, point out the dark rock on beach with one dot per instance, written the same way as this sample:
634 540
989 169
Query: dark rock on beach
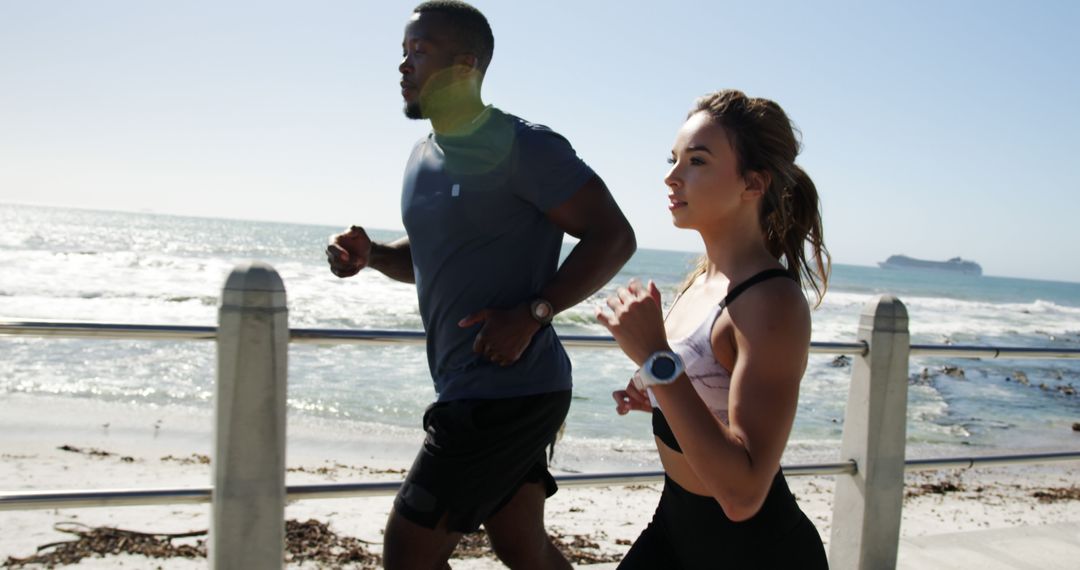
953 371
841 361
926 376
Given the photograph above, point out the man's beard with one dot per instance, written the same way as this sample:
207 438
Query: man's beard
412 111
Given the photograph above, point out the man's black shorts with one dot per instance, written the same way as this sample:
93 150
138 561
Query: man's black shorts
476 456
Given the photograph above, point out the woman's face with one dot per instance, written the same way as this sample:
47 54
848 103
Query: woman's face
704 184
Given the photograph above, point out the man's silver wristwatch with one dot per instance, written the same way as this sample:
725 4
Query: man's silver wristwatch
542 311
662 367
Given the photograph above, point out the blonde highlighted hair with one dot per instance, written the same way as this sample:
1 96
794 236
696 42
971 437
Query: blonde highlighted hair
765 141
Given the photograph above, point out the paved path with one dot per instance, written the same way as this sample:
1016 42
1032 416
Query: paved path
1045 547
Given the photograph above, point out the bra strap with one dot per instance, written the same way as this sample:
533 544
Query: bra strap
754 280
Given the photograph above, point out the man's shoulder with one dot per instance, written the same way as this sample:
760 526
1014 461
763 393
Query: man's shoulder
525 127
422 141
418 148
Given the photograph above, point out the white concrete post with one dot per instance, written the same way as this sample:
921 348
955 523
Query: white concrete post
867 505
248 513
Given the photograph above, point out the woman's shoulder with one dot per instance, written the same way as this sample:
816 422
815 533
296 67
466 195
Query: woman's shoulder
773 309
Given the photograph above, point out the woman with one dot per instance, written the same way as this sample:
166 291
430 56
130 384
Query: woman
721 373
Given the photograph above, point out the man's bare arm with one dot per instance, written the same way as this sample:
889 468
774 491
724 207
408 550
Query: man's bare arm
352 250
394 260
605 242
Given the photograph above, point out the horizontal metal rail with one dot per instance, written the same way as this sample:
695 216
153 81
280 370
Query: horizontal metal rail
961 351
195 495
75 499
106 330
347 336
988 461
74 329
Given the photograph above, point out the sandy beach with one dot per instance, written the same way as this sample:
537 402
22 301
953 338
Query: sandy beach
109 446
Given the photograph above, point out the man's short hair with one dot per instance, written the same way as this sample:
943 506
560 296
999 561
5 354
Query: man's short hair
470 28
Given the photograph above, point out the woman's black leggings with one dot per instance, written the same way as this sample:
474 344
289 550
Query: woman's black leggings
691 531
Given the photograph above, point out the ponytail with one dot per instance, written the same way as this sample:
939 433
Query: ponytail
792 224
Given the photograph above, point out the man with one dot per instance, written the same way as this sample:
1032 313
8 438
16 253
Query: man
486 200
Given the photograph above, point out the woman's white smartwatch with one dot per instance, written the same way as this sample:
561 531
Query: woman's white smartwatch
662 367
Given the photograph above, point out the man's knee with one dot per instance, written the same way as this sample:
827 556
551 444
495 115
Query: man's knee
522 550
407 545
517 531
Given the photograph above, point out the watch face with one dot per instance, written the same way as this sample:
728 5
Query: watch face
663 367
542 311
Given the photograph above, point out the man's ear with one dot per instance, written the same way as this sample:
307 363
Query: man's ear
757 182
468 60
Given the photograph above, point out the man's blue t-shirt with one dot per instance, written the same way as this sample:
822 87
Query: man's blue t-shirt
474 208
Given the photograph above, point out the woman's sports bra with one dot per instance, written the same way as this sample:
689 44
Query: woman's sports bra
708 377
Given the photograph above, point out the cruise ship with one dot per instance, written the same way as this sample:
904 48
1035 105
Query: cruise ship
955 265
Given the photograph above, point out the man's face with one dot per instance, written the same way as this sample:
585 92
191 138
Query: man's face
428 53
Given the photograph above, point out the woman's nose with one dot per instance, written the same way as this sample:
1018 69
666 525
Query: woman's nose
672 178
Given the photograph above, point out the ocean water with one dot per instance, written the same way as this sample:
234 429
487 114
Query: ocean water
76 265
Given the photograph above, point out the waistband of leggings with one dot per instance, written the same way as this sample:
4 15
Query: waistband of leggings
778 513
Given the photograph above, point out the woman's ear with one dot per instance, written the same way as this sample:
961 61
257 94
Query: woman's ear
757 182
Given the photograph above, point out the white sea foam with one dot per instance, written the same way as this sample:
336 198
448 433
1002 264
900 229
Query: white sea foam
73 265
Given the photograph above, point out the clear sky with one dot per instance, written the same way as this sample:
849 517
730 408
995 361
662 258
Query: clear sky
932 128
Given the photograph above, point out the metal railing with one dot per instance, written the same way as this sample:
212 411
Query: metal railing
873 449
142 497
77 329
35 500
